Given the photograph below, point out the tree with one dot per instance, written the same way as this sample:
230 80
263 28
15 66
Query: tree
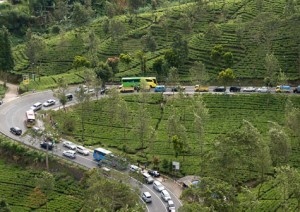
34 49
217 53
213 33
248 200
61 10
292 118
89 76
125 58
173 76
199 74
104 72
226 76
60 93
272 68
290 7
211 193
149 43
280 147
228 57
46 183
180 48
116 29
6 58
81 14
4 207
120 195
92 44
159 66
282 78
113 62
80 61
141 56
178 145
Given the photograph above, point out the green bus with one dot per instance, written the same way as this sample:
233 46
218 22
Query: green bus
136 81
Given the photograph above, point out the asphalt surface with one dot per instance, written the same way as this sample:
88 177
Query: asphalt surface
12 114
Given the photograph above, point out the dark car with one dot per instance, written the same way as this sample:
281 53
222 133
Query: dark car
178 88
69 96
16 130
103 91
220 89
45 143
1 102
297 89
154 173
235 89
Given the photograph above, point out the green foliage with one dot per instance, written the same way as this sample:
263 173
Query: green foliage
217 52
226 76
228 57
6 61
81 14
80 61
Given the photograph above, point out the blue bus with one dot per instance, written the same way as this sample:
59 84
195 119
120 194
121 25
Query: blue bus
99 153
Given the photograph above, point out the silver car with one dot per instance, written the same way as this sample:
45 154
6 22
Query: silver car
49 103
70 154
263 90
165 195
249 89
69 145
82 150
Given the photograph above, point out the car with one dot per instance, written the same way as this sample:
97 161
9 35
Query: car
36 130
165 195
16 130
1 101
148 179
263 90
249 89
82 150
154 173
297 89
49 102
69 145
69 96
134 168
146 196
69 154
84 87
201 88
37 106
160 88
220 89
90 91
235 89
283 89
178 88
103 91
158 186
45 143
170 205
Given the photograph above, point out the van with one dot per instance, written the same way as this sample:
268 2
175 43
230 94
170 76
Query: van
134 168
37 106
69 96
283 89
148 178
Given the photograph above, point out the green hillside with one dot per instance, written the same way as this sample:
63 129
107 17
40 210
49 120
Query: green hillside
246 29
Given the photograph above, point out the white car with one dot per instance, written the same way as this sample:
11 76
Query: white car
171 205
49 103
90 91
84 87
36 106
69 145
146 196
165 195
82 150
263 90
158 186
69 154
249 89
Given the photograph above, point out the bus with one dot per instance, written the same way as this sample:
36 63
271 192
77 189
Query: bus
100 153
136 81
30 118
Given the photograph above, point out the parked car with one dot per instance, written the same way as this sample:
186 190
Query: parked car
37 106
45 143
297 89
84 87
165 195
82 150
170 205
235 89
263 90
49 103
249 89
160 88
134 168
69 145
146 196
158 186
178 88
220 89
201 88
154 173
16 130
1 101
70 154
148 179
69 96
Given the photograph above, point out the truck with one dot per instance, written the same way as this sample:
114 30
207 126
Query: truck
283 89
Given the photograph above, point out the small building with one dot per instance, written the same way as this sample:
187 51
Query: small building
188 181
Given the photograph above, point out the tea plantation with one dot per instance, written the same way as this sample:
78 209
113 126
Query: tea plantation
18 188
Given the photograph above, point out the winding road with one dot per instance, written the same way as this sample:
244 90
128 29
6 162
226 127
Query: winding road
12 113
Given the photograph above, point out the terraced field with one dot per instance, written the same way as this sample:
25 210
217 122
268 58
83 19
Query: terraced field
17 187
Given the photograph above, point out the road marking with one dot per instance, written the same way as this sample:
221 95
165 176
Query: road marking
144 203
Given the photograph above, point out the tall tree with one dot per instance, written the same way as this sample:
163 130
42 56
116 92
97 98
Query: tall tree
104 72
46 183
173 76
226 76
4 207
272 68
6 58
92 45
61 92
199 74
141 56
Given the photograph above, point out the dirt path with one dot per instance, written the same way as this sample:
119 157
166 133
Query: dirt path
11 93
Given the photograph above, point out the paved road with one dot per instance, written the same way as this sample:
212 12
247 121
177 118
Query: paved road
12 113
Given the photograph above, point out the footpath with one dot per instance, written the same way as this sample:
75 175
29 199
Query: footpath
11 93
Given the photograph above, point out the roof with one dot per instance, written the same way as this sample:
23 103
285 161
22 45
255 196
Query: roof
188 180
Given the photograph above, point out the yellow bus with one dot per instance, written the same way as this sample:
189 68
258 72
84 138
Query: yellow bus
30 118
136 81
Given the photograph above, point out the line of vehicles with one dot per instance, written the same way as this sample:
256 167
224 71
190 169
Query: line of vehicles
157 186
